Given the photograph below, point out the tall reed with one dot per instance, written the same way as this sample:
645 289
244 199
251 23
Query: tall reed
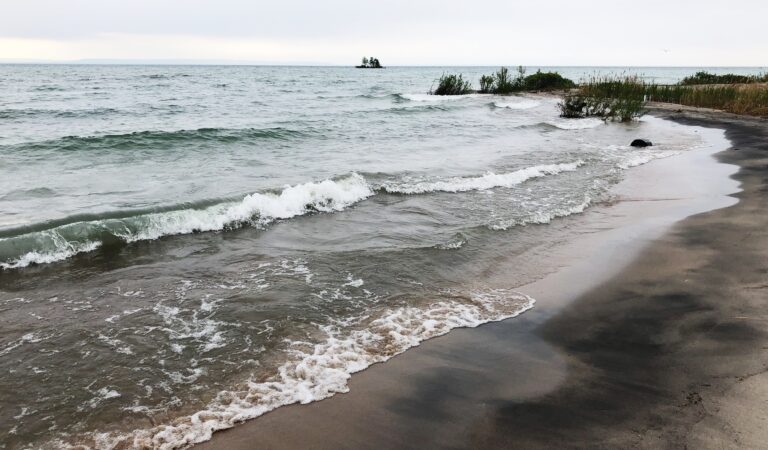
727 78
611 98
623 98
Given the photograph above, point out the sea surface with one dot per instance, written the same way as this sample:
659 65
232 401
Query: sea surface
186 247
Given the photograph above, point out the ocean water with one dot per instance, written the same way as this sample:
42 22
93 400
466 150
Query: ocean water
186 247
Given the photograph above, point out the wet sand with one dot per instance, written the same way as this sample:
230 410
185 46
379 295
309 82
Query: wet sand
654 335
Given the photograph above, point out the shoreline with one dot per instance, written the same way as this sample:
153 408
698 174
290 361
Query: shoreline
584 373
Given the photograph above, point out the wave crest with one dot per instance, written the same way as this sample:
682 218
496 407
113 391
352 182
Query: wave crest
488 181
522 104
148 140
258 209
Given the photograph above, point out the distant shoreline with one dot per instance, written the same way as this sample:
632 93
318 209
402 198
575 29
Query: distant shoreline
314 64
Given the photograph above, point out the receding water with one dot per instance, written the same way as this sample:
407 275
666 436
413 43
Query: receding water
183 248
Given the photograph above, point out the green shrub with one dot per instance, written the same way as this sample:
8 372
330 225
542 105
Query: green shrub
728 78
546 81
452 85
486 84
503 83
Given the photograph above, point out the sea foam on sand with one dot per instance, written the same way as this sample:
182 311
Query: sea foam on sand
317 371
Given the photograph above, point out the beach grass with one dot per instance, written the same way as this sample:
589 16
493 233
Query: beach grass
728 78
611 98
624 98
748 99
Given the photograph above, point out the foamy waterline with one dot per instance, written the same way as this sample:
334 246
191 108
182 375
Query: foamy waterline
641 157
488 181
576 124
318 371
523 103
545 216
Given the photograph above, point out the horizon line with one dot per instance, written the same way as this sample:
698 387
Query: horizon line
204 62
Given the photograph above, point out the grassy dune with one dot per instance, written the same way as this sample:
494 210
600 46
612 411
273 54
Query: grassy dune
749 99
623 98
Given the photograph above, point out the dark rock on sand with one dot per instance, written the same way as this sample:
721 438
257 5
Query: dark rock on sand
641 143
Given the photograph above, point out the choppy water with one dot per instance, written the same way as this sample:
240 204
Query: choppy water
183 248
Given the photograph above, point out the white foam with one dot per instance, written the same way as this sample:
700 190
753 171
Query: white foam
488 181
183 326
100 396
179 378
638 158
457 241
66 250
29 338
544 216
436 98
576 124
318 371
522 104
351 281
118 345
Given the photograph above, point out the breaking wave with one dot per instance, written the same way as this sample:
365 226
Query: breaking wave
258 209
522 104
576 124
488 181
62 239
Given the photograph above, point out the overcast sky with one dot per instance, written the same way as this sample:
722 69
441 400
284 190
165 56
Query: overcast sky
398 32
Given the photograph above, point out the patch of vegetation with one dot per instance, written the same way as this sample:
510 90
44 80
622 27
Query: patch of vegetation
749 99
624 98
614 109
546 81
370 63
452 85
503 83
617 99
574 107
486 84
728 78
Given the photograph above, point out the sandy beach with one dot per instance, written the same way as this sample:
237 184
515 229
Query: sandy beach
367 225
659 340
